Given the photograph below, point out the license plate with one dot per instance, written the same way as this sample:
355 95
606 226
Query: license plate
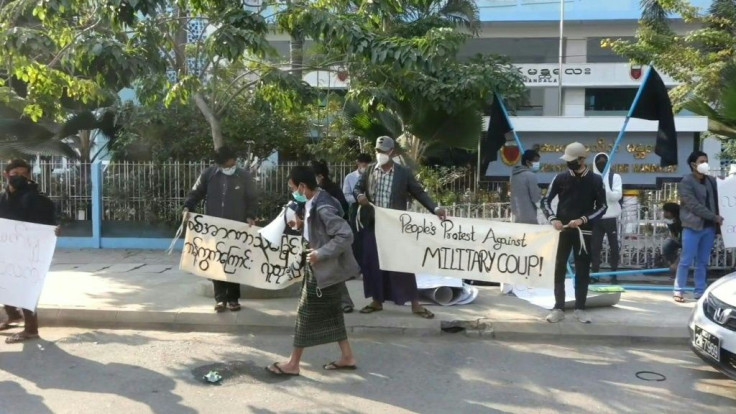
707 342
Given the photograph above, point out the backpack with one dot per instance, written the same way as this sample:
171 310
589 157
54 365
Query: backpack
610 184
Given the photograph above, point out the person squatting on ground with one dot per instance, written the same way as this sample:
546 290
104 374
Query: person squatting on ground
230 193
322 171
21 201
671 247
700 221
388 185
582 201
608 224
329 262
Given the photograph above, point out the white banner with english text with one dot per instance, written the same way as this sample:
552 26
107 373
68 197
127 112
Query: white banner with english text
727 210
26 250
464 248
232 251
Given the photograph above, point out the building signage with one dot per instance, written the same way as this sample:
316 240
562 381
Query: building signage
585 75
635 159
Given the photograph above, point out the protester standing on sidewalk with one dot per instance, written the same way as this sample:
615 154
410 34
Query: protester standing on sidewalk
700 221
671 246
348 186
322 171
608 225
582 201
21 201
525 192
329 263
230 193
388 185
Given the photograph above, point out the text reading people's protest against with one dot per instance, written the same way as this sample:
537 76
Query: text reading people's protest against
26 251
466 248
228 250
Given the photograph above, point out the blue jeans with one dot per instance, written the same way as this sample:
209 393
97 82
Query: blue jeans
696 246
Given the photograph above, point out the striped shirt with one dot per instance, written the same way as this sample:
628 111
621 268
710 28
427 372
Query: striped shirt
382 183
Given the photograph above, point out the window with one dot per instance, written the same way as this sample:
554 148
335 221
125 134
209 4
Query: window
615 101
519 50
598 54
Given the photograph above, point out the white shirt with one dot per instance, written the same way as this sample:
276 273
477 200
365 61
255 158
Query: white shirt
351 180
307 211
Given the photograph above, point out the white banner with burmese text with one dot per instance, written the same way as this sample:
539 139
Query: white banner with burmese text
465 248
232 251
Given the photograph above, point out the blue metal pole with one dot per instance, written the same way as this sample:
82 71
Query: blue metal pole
505 112
652 288
96 172
631 272
626 123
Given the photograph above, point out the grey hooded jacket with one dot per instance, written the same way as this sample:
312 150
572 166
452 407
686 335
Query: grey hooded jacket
525 195
693 195
231 197
331 236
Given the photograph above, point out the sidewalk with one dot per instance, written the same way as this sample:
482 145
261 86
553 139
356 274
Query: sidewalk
124 288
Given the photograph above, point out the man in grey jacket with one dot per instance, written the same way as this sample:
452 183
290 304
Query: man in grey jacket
525 192
230 193
700 222
386 184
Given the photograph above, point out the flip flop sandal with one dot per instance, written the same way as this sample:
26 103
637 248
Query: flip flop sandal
332 366
21 337
220 307
347 309
234 306
679 299
424 313
9 325
370 309
275 369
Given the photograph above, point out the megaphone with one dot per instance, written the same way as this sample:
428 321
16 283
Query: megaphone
275 229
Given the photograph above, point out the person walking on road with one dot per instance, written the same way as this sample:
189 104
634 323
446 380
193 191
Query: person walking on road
386 184
329 262
525 192
700 221
608 224
582 201
229 193
21 201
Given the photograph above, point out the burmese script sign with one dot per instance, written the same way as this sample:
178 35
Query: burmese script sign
26 250
466 248
232 251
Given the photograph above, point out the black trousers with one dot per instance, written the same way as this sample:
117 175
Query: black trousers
570 243
226 291
609 228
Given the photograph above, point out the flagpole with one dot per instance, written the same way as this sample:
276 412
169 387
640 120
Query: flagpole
562 50
506 114
626 122
477 164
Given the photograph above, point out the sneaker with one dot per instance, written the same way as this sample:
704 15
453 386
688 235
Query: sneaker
582 316
555 316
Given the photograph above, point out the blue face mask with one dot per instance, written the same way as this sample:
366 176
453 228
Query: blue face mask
299 197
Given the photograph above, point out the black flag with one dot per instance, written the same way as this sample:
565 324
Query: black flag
495 138
654 104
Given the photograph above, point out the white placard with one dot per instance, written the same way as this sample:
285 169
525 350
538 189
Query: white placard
26 250
466 248
727 209
232 251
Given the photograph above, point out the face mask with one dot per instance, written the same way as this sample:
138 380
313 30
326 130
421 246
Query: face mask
703 168
382 159
361 170
229 170
18 182
536 166
573 165
669 221
299 197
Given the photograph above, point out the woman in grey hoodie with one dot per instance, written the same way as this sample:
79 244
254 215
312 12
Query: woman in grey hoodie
525 192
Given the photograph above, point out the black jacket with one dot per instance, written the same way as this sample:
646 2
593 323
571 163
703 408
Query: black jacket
335 191
580 197
28 205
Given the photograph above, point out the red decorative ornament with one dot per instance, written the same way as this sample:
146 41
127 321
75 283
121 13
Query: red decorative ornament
635 72
342 74
510 154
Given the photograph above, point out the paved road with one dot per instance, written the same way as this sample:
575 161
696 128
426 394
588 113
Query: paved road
80 371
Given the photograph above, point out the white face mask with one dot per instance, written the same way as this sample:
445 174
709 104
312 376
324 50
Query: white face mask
361 170
536 166
703 168
229 170
382 159
669 221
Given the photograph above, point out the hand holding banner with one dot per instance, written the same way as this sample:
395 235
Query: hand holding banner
466 248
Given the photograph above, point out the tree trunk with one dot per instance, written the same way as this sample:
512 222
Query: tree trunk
214 122
296 54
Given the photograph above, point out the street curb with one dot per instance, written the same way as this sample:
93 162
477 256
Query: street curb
246 320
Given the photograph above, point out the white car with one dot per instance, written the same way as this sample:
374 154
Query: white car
713 326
